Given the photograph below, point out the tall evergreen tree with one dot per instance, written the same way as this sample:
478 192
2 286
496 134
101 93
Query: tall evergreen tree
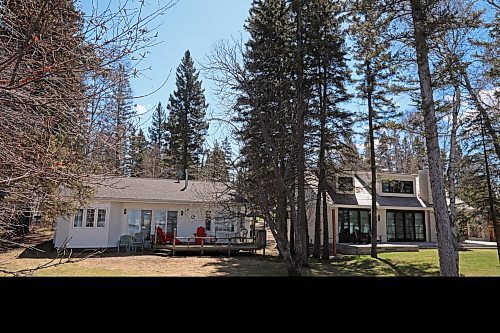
266 113
158 139
372 51
448 255
328 126
186 120
136 155
216 167
123 114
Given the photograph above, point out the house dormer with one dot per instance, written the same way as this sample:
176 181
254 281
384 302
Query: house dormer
397 185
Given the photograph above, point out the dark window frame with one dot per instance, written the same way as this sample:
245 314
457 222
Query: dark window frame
341 223
396 237
343 185
398 186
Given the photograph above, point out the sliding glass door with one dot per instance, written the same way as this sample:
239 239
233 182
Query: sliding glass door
405 226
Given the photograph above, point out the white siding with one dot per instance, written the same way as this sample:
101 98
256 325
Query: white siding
189 217
382 224
431 226
83 237
117 227
62 230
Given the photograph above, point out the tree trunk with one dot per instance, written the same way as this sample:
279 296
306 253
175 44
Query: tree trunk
448 255
373 165
491 198
453 151
317 225
301 227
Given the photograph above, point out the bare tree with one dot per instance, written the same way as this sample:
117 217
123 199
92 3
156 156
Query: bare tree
55 64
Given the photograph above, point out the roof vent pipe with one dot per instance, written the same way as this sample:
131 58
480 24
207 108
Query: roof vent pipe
186 182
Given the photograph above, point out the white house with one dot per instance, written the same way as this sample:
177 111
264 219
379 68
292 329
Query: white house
125 206
404 207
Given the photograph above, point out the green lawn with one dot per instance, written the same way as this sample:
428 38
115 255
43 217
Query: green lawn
422 263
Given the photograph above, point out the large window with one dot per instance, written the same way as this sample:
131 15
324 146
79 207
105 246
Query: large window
397 186
161 219
345 184
405 226
352 219
77 223
93 217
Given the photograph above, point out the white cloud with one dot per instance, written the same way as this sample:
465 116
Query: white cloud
140 109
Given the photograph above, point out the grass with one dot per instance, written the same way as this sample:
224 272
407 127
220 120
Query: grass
480 262
483 262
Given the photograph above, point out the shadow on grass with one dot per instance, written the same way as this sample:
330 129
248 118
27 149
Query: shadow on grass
245 265
414 269
366 266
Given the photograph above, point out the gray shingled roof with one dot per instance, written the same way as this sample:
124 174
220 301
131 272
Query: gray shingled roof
164 190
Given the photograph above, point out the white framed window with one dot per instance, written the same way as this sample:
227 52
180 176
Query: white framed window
93 217
90 218
78 219
101 218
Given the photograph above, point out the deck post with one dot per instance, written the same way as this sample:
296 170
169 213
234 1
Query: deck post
228 247
173 242
202 241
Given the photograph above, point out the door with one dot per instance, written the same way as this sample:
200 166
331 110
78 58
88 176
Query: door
405 226
400 227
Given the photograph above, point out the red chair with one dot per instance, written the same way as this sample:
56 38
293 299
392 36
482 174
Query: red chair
163 238
200 232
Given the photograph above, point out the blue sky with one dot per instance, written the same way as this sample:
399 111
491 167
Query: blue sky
190 24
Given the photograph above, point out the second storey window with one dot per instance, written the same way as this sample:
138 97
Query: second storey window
397 186
346 184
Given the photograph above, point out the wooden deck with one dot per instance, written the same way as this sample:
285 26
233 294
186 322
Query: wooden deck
209 248
211 244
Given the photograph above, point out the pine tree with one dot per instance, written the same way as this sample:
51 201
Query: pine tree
265 111
186 120
216 168
137 151
158 139
372 51
448 255
123 114
328 126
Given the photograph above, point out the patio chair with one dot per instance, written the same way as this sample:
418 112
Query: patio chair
362 237
138 241
124 240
